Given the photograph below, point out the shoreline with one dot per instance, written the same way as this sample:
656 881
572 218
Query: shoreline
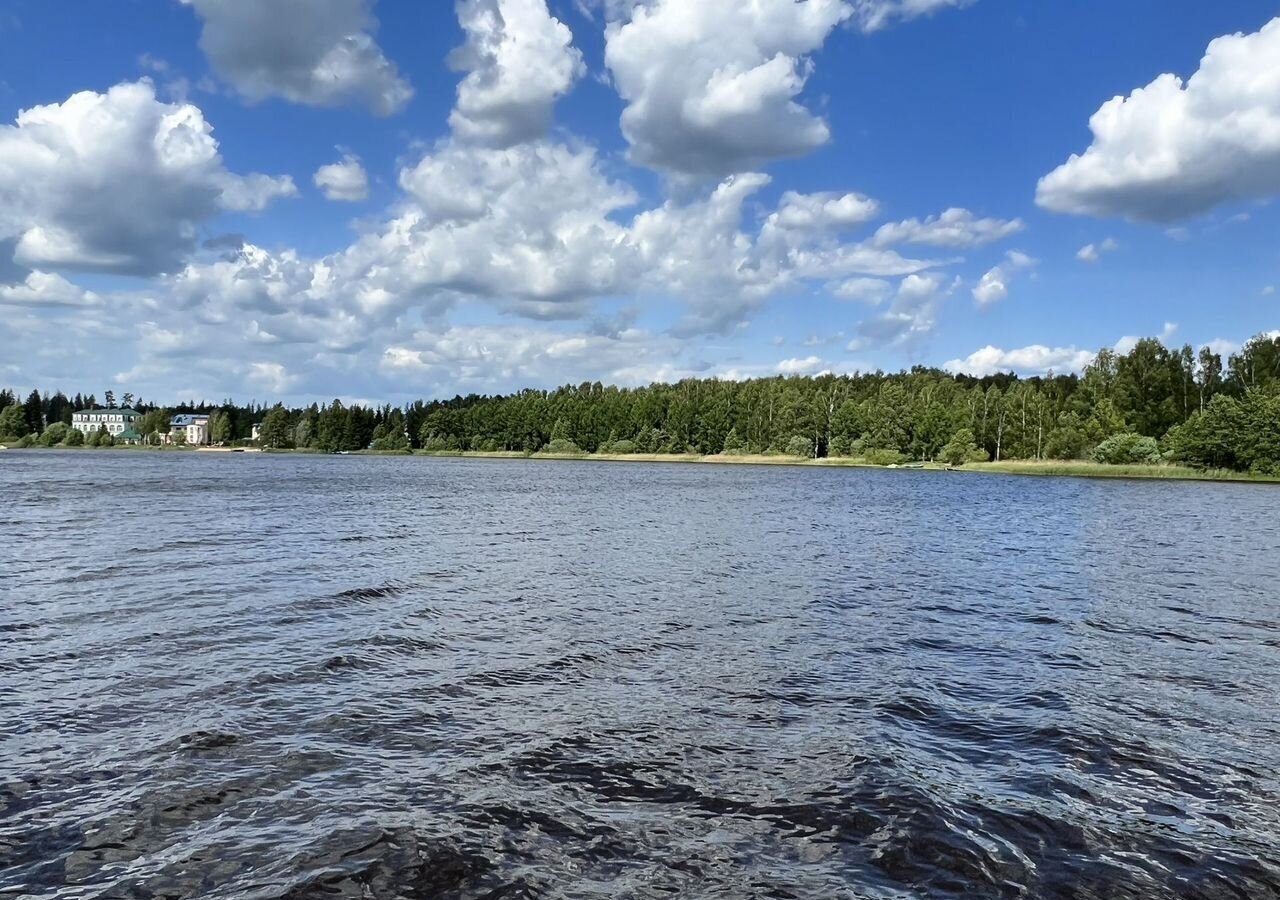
1040 468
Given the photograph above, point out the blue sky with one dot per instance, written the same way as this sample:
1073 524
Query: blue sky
381 200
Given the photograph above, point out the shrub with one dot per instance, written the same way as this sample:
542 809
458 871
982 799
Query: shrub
439 445
799 446
622 448
562 446
840 446
27 440
1127 449
74 438
54 434
878 457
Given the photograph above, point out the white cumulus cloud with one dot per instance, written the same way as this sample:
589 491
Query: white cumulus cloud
344 180
1034 360
712 87
1091 253
824 210
117 182
46 289
994 285
314 52
806 366
1175 149
519 59
952 228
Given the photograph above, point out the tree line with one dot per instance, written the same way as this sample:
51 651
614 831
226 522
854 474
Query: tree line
1150 404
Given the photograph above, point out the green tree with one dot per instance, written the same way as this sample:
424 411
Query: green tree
1208 376
1067 440
331 427
13 423
33 413
733 443
220 428
75 438
961 448
275 433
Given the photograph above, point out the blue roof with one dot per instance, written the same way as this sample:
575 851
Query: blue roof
184 420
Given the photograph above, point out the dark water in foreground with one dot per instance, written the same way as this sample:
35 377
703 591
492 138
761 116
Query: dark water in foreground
252 677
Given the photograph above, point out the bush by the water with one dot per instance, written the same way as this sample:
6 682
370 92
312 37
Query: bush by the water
799 446
879 457
561 446
1127 449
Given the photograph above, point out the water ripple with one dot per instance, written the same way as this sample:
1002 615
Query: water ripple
308 677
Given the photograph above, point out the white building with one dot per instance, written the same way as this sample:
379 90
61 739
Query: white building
194 429
118 422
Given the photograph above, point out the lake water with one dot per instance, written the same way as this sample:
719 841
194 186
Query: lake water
291 677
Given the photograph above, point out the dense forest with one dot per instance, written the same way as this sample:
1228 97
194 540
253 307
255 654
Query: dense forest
1148 405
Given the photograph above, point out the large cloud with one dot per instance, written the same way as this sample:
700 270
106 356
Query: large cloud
1034 360
529 225
116 182
519 59
712 87
316 52
1173 150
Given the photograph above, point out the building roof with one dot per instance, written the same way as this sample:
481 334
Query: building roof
184 420
129 434
124 410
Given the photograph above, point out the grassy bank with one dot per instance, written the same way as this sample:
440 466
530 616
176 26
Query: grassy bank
1055 468
1085 469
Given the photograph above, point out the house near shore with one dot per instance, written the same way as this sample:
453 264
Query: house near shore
121 424
193 428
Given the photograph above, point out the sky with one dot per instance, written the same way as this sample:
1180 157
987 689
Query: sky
381 200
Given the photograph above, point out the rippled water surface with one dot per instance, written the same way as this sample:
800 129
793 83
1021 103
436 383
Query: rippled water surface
296 677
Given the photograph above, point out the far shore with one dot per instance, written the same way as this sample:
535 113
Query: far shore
1051 468
1055 468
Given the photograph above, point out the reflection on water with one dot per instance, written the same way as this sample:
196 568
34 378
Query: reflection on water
297 677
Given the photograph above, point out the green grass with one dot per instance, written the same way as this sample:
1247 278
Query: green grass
1086 469
1053 468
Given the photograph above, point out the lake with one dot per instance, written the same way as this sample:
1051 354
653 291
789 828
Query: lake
247 676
